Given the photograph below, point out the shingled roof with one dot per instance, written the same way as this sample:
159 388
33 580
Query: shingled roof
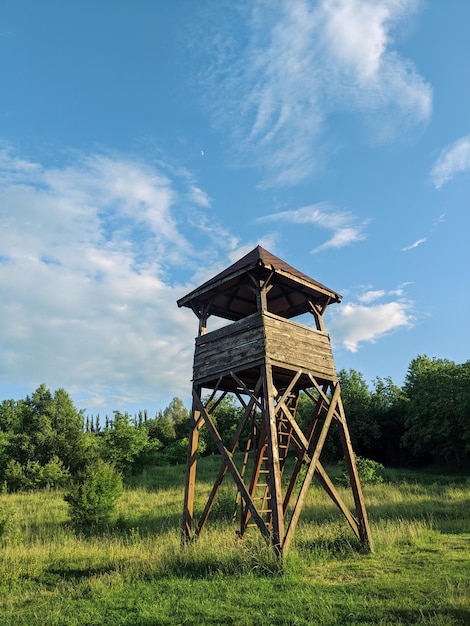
229 294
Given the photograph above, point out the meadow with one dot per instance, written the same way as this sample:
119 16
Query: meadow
134 572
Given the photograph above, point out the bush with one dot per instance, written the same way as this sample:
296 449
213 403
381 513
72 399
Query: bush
177 452
15 478
93 496
35 476
52 474
369 471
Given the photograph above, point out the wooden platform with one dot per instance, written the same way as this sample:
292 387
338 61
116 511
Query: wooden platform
261 337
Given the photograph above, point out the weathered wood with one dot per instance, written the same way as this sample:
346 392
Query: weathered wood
263 335
190 484
302 456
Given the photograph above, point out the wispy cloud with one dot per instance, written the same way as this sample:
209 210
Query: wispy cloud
345 226
199 197
417 243
452 160
371 296
367 319
305 60
88 301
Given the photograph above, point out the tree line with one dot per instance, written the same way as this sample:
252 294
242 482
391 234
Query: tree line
45 441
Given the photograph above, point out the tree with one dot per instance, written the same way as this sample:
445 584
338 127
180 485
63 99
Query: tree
94 494
123 443
178 415
362 424
67 425
161 428
387 404
36 437
437 410
40 428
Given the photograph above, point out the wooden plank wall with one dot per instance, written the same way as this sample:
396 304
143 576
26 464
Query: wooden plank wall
299 346
264 335
229 347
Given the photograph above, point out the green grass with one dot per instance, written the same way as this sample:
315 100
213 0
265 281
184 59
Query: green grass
135 573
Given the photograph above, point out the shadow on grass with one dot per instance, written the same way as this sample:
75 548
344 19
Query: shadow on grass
432 505
441 515
136 527
52 576
340 548
440 615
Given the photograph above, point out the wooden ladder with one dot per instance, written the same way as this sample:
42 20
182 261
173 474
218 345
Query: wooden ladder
259 486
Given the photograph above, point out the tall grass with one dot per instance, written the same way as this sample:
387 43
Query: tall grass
135 572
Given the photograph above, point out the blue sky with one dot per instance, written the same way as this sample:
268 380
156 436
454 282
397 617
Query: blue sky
145 146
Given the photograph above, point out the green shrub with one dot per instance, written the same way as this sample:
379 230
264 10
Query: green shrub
93 496
369 471
177 452
15 477
33 475
52 474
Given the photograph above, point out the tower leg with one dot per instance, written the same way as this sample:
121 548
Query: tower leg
189 489
364 529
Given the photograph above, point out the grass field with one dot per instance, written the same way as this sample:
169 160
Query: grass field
135 573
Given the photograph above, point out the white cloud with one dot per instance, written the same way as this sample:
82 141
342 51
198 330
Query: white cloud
354 323
372 295
452 160
304 61
345 227
86 299
341 238
200 197
417 243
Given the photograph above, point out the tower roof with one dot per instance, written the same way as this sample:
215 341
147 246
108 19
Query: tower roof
230 293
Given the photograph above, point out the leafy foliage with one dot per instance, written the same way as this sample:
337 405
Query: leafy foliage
36 476
123 442
369 471
357 400
41 440
44 439
437 424
94 494
226 416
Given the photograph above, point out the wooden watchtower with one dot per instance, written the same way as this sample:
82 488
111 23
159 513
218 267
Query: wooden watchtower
267 360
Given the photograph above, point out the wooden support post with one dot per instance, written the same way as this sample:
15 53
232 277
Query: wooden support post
227 456
364 529
302 453
311 469
190 484
224 468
